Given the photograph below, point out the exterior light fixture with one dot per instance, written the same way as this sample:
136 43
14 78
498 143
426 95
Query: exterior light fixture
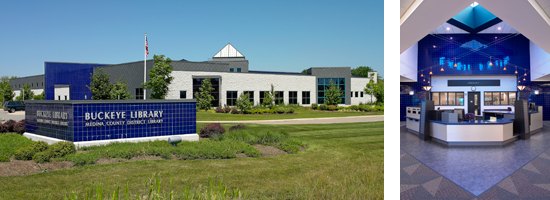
411 92
536 92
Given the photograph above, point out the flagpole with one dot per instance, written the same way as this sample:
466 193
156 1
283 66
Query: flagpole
145 68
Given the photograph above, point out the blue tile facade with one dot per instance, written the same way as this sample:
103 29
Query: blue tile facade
177 118
74 74
474 54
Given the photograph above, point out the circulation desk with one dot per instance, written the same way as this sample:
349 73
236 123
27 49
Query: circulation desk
476 132
535 118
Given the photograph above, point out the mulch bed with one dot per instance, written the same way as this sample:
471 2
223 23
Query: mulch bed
23 168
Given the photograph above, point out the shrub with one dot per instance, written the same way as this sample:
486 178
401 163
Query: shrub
340 108
4 158
361 103
219 110
234 111
40 146
10 123
227 110
81 158
379 108
237 127
314 106
323 107
61 149
354 107
290 110
332 107
211 129
42 157
4 128
271 111
19 127
24 153
280 110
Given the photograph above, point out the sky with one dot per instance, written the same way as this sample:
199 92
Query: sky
286 36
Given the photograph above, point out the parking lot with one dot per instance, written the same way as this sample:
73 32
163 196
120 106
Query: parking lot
18 115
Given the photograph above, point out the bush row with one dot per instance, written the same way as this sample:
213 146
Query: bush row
12 126
361 107
279 110
41 152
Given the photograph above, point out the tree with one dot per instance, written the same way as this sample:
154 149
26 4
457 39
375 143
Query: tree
370 88
304 71
332 94
119 90
361 71
6 92
270 97
243 103
39 96
159 77
376 89
26 93
100 86
204 99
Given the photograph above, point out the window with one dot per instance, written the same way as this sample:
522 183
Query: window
231 69
231 98
356 94
351 95
42 83
58 97
262 96
305 97
32 84
139 93
324 83
65 97
238 69
361 93
499 98
280 97
250 96
215 83
448 98
183 94
293 97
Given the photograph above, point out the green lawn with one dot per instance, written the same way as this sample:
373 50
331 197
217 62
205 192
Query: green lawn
343 161
299 113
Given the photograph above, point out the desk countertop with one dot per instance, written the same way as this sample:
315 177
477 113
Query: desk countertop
507 112
475 122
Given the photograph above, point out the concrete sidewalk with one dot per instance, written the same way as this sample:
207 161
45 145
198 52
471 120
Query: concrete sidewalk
331 120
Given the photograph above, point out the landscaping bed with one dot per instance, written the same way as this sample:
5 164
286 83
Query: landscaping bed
28 157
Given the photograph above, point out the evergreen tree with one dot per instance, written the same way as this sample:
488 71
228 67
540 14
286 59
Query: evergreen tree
159 77
100 86
333 94
120 90
204 98
243 103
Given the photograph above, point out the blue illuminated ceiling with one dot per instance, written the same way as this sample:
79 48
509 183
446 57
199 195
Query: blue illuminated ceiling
474 17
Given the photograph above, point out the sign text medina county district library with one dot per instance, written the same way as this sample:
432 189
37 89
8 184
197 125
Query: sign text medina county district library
136 118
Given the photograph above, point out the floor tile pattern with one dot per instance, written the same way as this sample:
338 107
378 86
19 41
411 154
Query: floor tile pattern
476 169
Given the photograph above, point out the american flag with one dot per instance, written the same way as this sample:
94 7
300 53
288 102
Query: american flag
146 46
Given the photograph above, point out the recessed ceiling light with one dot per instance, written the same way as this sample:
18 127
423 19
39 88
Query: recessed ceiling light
495 37
448 28
451 38
499 28
434 46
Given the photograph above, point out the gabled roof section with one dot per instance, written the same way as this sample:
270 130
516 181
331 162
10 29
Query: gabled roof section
229 52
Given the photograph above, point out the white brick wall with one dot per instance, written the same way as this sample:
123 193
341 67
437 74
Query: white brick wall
358 85
245 82
62 92
36 92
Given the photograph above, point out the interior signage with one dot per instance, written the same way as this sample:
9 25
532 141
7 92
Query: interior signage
473 82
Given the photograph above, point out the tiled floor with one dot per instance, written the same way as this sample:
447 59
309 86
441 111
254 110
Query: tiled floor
478 171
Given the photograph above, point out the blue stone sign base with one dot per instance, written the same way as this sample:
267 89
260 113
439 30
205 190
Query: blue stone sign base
103 121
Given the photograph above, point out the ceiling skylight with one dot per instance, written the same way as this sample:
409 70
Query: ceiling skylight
474 4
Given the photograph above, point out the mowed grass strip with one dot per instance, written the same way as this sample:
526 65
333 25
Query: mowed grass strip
343 161
298 113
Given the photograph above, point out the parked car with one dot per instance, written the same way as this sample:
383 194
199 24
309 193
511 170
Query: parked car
12 106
